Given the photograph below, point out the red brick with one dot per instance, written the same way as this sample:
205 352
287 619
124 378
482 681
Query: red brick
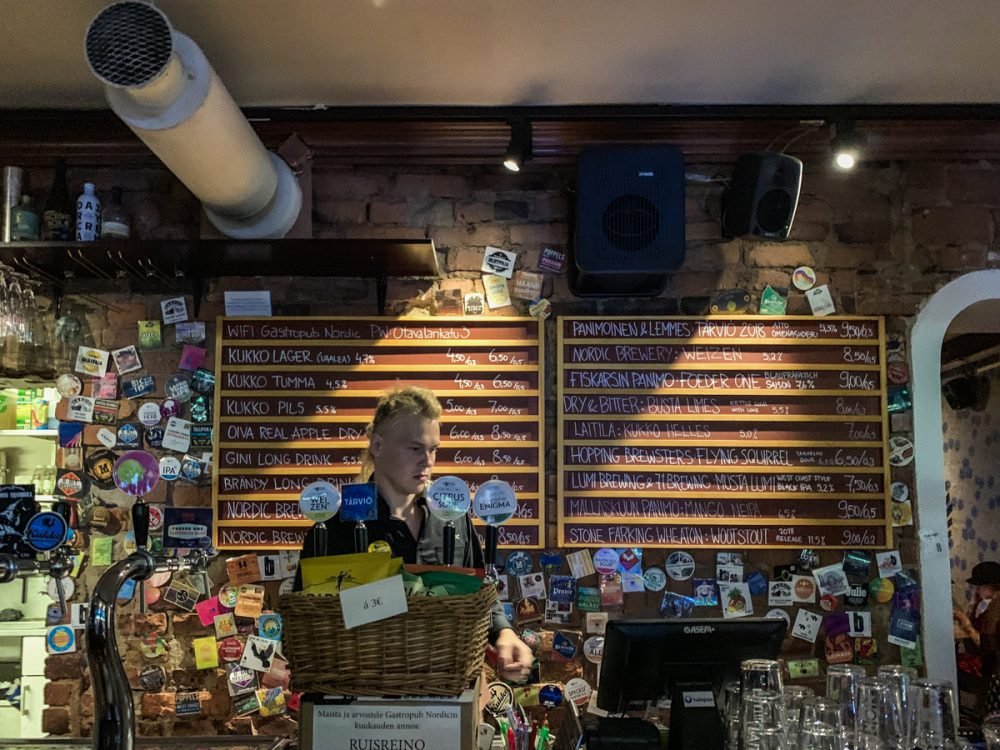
838 256
953 226
808 231
186 624
522 234
464 259
550 207
469 236
440 185
960 258
64 666
435 212
190 496
473 212
864 231
703 230
779 255
388 213
55 721
59 693
341 185
973 186
770 277
686 283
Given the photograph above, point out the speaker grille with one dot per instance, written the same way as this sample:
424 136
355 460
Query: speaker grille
128 44
774 210
631 223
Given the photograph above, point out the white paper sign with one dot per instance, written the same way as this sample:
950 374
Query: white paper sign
499 261
177 436
174 310
821 301
860 623
428 725
889 563
532 584
580 564
779 593
373 601
633 583
251 304
806 626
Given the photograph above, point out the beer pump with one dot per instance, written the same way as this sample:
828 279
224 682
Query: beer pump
448 500
494 504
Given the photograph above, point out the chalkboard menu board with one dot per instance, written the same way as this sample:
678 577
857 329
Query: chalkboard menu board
750 431
293 397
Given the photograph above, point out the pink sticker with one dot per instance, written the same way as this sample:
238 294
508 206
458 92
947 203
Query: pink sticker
208 609
192 357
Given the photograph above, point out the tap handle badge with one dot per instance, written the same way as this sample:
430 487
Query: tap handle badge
448 498
495 502
140 523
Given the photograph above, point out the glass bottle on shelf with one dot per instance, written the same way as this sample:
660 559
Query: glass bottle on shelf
114 219
57 219
24 221
88 214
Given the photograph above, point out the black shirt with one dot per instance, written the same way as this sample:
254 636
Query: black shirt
427 549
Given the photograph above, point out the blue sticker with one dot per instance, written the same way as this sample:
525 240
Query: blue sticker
127 591
676 606
564 646
758 583
508 611
45 531
128 435
904 629
187 528
269 626
61 639
70 434
562 589
359 502
705 592
138 386
550 696
550 562
519 563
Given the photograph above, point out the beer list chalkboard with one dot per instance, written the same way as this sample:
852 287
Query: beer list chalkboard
294 395
749 431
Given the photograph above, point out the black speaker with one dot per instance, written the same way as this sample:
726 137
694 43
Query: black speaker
629 226
762 196
967 392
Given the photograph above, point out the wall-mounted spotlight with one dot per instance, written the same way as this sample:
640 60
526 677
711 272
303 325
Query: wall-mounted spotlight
847 145
519 148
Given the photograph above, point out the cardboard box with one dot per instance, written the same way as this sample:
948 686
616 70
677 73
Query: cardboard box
337 723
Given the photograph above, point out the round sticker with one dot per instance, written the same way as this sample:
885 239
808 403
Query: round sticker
606 560
227 596
578 690
778 614
158 580
680 566
519 563
501 697
900 450
45 531
803 278
152 645
900 492
448 498
170 468
178 387
100 468
593 649
66 584
319 501
379 545
69 385
550 696
136 473
152 595
61 639
152 678
153 437
654 579
230 649
494 502
149 414
882 589
897 372
828 602
170 407
155 518
128 435
107 437
804 588
72 484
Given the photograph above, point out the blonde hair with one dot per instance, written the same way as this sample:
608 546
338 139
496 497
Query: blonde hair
410 401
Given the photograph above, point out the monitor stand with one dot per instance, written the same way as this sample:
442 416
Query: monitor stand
695 721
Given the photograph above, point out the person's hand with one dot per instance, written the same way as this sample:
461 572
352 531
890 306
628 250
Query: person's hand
514 658
962 625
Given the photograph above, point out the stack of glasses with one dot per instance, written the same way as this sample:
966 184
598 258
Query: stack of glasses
891 711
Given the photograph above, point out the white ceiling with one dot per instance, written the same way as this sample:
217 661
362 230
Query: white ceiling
505 52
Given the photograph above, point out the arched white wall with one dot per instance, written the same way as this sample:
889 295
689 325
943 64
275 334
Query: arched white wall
932 516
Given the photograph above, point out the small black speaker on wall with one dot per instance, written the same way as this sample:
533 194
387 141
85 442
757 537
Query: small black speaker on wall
762 196
629 227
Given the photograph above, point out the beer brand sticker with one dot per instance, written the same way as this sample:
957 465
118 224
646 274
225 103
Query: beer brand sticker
174 310
882 589
680 566
779 594
358 502
803 589
71 484
550 696
192 332
500 697
105 412
448 498
170 407
80 409
532 584
187 704
888 563
153 437
258 653
177 435
730 301
149 414
138 386
100 468
605 560
897 373
473 303
578 690
45 531
803 278
494 502
128 435
225 627
126 359
528 285
654 579
178 387
499 261
551 260
519 563
540 309
170 468
105 386
581 564
240 679
206 654
230 648
562 589
497 293
807 625
155 518
269 626
229 594
90 361
900 450
319 501
152 678
107 437
69 385
60 640
189 528
593 649
821 301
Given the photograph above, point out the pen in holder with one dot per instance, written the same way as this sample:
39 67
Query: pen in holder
494 505
448 500
319 502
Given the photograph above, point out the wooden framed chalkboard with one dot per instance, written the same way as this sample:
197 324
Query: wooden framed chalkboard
750 431
293 397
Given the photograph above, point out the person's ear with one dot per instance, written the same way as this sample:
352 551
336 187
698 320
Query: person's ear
375 445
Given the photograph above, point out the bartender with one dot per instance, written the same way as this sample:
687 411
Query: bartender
403 439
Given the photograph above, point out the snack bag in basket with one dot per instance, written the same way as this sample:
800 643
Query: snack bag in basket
331 575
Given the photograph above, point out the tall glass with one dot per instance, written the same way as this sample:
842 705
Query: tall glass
991 731
842 688
760 674
932 718
794 696
762 710
732 705
819 736
881 719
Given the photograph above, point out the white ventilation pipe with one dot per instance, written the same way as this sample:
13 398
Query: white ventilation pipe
160 84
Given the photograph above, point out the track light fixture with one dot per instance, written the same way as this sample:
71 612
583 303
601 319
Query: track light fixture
519 149
847 145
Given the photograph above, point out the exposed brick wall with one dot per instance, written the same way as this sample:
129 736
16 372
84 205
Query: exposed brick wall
884 238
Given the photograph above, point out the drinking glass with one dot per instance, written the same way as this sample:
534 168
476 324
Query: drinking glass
899 677
760 674
794 696
762 710
819 736
731 707
842 688
772 739
881 719
991 731
932 717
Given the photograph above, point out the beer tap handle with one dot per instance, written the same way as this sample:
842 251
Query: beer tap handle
320 543
140 523
62 597
449 543
491 545
360 537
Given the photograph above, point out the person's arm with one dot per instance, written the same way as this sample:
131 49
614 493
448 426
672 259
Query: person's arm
989 639
498 619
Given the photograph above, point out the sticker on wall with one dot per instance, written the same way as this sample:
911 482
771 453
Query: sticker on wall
527 285
80 409
191 332
91 361
803 589
69 385
773 301
528 610
532 584
882 589
551 260
581 564
654 579
540 309
897 373
735 600
593 649
497 293
832 580
680 566
60 639
578 690
799 668
152 678
900 450
138 386
803 278
519 563
821 301
779 594
898 399
126 359
473 303
174 310
806 625
888 563
499 261
859 624
730 302
902 513
705 592
676 606
605 560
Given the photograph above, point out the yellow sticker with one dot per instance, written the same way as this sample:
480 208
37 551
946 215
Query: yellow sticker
206 652
379 546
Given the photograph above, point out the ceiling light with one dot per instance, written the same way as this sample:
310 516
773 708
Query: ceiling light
847 145
519 149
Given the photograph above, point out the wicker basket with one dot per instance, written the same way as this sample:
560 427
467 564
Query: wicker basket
435 648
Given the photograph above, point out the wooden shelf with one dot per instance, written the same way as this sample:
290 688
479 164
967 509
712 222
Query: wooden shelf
165 264
47 434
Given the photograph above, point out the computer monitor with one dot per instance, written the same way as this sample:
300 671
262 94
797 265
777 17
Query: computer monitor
689 660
